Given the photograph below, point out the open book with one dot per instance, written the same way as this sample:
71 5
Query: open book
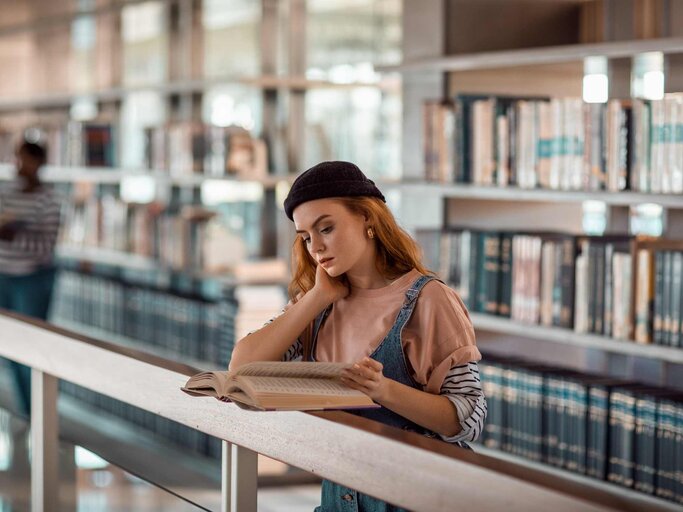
281 386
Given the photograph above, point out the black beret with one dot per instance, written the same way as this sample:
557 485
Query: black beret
329 179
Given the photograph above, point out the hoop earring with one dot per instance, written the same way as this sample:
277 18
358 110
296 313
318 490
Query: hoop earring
371 233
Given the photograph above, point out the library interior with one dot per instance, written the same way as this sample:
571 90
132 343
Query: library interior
501 180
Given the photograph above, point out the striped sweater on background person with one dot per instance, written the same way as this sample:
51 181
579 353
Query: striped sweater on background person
38 213
461 386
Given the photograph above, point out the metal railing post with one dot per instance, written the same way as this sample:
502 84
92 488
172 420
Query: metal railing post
44 442
225 476
239 478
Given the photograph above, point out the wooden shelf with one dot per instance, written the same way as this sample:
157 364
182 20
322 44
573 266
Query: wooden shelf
114 175
542 55
64 99
640 500
108 257
477 192
130 261
502 325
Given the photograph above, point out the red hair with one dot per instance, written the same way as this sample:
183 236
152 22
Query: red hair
397 252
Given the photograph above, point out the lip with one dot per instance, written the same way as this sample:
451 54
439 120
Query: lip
325 262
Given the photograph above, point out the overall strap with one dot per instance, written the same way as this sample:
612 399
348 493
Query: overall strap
318 322
408 306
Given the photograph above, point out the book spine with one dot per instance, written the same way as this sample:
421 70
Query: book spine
505 281
489 289
599 311
644 296
609 290
676 303
616 417
666 450
658 310
678 473
644 471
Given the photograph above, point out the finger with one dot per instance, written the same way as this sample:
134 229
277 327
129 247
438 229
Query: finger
376 365
352 384
366 371
360 379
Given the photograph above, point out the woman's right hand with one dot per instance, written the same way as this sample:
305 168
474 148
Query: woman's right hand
330 289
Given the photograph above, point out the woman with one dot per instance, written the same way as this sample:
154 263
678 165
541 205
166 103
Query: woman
359 294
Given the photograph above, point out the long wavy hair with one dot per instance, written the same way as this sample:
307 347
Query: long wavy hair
397 252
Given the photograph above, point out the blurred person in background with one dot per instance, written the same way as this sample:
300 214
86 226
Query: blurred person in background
29 224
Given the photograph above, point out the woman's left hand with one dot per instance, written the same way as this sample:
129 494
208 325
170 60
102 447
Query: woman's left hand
366 376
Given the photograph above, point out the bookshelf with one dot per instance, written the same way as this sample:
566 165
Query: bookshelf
435 69
265 82
637 499
489 323
539 56
114 176
446 191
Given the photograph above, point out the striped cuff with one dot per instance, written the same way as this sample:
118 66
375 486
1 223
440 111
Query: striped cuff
463 388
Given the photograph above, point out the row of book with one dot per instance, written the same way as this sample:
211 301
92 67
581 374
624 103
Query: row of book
556 143
186 148
182 323
182 148
69 144
616 286
186 237
626 433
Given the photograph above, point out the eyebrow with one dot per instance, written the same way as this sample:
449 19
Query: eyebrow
322 217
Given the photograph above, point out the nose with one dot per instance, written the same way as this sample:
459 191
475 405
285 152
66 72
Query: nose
316 244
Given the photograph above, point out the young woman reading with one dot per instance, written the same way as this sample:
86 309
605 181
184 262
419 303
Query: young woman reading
359 294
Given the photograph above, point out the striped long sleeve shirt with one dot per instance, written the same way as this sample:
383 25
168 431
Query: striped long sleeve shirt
38 216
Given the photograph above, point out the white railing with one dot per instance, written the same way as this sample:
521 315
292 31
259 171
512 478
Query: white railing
405 469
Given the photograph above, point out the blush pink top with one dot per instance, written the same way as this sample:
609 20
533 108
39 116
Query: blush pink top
438 335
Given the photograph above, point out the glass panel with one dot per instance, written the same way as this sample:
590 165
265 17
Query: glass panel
236 105
139 110
99 485
231 37
83 39
361 125
341 32
345 41
144 43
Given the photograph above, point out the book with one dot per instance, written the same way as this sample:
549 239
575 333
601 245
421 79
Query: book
281 386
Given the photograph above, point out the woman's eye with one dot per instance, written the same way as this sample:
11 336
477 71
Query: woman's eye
306 240
326 230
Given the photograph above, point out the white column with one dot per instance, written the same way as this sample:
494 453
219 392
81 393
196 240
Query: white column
44 442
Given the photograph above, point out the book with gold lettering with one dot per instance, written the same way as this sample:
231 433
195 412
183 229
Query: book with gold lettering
281 386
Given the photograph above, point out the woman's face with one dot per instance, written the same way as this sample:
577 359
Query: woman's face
335 237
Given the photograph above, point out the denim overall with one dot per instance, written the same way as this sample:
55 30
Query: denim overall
336 498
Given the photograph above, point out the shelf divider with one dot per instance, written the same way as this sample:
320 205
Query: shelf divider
502 325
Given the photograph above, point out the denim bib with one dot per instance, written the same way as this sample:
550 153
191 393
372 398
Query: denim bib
336 498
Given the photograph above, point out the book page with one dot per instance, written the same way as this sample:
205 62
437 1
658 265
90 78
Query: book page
293 369
295 386
216 381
